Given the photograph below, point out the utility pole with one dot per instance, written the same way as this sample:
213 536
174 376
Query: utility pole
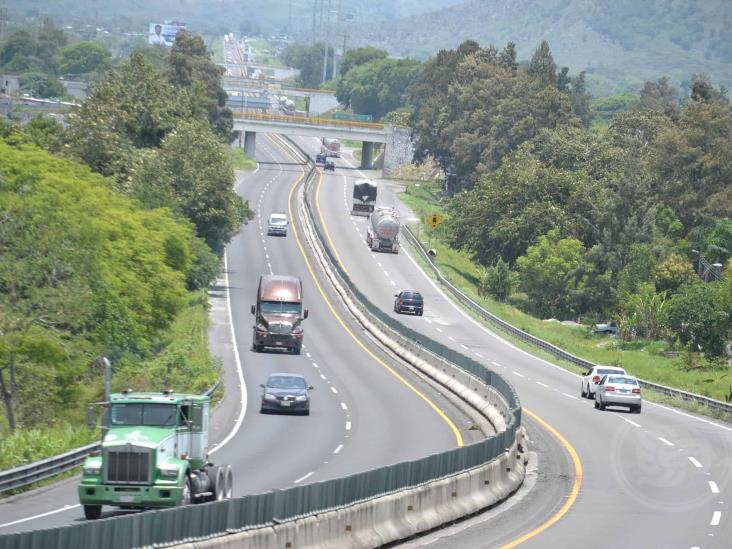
315 21
327 36
3 20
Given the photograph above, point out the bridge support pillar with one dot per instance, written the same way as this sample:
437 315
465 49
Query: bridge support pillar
367 155
250 143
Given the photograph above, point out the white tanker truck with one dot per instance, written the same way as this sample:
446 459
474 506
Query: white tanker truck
382 233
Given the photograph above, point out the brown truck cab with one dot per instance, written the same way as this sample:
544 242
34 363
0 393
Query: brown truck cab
278 314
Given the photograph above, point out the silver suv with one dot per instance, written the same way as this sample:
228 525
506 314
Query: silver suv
277 224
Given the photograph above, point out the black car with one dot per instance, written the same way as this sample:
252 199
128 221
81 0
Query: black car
286 393
329 165
409 301
320 158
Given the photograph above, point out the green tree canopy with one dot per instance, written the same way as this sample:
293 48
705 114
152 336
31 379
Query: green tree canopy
84 57
360 56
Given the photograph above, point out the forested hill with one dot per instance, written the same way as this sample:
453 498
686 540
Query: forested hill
620 43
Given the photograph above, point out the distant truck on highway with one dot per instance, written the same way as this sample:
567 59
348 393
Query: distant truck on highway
278 314
364 197
331 147
382 233
154 454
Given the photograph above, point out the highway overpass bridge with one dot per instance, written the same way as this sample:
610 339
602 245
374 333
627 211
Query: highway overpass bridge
398 149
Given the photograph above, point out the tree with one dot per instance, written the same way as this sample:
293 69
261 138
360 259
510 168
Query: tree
580 99
133 108
359 56
497 281
46 133
191 175
659 96
84 57
193 69
699 315
542 66
673 272
41 85
377 87
507 57
646 308
551 274
309 61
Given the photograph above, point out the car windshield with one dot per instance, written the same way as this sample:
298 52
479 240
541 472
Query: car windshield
286 382
412 295
277 220
623 380
609 371
160 415
280 307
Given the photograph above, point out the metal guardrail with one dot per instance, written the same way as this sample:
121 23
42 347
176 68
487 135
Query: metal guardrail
24 475
45 468
711 403
309 121
208 520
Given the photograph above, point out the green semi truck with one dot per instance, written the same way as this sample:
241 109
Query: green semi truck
153 454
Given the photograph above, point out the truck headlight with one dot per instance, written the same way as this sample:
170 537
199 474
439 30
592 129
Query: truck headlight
168 471
261 328
92 470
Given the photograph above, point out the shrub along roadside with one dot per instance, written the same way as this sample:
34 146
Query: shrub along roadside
645 359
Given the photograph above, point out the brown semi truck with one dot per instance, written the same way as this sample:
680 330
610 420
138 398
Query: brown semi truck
278 314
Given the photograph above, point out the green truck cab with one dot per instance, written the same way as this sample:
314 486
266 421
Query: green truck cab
153 454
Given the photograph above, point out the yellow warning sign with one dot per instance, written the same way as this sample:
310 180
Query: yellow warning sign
434 220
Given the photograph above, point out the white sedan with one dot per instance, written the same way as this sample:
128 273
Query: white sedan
618 390
591 378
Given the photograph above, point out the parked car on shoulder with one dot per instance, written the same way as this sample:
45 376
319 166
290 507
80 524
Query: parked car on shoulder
591 378
409 301
286 393
618 390
607 328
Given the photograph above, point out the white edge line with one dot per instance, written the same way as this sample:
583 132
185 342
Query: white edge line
240 373
311 473
41 515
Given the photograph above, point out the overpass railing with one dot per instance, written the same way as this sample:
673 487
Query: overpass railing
310 121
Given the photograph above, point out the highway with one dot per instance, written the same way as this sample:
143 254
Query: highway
661 478
363 416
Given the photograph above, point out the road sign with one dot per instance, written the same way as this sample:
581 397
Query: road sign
434 220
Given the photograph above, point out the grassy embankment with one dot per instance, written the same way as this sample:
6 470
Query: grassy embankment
183 361
645 359
240 160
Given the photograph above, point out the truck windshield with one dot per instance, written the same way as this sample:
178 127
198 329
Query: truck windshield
280 307
161 415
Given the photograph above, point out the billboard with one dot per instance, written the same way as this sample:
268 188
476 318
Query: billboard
163 34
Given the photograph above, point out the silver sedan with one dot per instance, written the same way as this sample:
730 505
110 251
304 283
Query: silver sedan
618 390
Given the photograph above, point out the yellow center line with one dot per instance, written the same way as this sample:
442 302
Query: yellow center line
578 475
420 394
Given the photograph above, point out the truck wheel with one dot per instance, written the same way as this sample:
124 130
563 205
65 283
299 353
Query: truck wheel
185 498
218 483
228 482
92 512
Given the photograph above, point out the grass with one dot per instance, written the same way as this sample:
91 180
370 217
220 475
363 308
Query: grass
642 358
239 159
29 445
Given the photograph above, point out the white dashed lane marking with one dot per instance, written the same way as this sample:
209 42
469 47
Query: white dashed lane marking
633 423
515 372
716 517
334 390
343 405
311 473
348 425
570 396
542 384
340 447
713 487
695 462
666 442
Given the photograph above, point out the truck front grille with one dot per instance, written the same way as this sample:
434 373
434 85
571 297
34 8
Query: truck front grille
128 465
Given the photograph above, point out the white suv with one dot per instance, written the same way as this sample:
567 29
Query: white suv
277 224
591 378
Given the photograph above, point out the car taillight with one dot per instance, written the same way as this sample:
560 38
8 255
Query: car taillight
636 391
596 379
609 388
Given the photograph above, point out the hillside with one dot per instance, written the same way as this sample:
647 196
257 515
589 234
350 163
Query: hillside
620 43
